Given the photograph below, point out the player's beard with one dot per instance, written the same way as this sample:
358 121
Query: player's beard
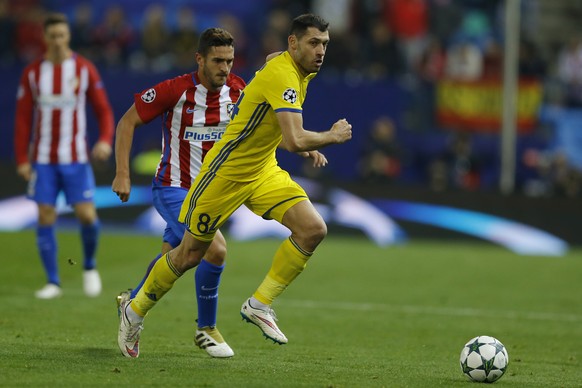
217 84
307 63
215 81
311 68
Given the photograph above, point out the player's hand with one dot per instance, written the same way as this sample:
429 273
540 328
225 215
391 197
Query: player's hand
342 130
319 159
122 187
101 151
24 171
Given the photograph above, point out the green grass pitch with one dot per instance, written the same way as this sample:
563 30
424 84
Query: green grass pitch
359 316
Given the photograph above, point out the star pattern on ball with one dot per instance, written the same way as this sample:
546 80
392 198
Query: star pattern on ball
474 346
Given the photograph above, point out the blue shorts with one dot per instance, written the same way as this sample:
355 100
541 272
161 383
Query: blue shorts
168 202
75 180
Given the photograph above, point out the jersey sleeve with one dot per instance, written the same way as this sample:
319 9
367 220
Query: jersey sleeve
97 97
154 101
23 119
282 90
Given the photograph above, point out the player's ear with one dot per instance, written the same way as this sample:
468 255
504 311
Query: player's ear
292 41
199 58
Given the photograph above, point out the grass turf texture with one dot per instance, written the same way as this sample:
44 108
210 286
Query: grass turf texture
359 316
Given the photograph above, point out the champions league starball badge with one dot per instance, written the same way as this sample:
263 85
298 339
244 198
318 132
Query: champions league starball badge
148 96
290 95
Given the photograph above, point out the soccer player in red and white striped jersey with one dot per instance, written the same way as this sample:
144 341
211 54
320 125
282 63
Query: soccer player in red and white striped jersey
51 147
195 109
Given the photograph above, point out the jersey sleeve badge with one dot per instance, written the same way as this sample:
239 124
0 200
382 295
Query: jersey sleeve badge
290 95
149 96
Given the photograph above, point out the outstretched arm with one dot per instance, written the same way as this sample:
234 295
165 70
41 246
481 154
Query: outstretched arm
123 138
297 139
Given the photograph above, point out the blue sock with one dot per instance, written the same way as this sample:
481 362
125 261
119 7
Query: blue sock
89 238
207 278
140 285
47 247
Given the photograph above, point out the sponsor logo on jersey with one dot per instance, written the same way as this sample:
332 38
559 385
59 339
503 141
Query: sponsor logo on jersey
290 95
149 96
56 101
203 133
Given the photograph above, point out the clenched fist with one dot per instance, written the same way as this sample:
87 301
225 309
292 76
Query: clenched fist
342 130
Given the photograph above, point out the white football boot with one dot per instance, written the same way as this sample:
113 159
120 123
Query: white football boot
265 320
210 339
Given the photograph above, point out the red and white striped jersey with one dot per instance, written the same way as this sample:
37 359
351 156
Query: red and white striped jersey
193 118
51 105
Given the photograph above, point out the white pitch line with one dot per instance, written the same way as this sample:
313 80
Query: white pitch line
428 310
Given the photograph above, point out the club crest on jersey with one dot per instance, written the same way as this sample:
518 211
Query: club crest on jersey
148 96
290 95
75 82
229 109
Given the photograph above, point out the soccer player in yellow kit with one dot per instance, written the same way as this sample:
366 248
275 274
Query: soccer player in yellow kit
242 169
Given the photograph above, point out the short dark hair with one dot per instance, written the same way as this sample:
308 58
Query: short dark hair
301 23
55 18
214 37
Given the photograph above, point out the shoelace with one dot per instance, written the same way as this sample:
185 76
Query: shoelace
133 330
271 312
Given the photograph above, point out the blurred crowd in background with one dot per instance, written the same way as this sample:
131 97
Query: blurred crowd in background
415 43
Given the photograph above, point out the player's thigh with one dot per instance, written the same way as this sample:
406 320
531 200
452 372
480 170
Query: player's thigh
210 202
78 182
274 194
44 184
168 202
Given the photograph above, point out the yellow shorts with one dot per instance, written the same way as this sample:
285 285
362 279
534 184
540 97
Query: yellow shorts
211 200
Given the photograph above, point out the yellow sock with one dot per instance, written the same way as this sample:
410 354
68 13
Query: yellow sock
160 280
288 263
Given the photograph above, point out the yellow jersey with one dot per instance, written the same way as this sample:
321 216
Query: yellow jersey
250 140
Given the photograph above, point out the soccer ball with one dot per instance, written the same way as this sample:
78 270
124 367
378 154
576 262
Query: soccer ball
484 359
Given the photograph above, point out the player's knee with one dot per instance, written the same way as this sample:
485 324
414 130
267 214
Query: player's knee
216 254
47 215
319 231
86 214
313 233
87 220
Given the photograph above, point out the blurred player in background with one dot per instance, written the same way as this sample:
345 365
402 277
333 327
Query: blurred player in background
51 146
242 169
195 109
